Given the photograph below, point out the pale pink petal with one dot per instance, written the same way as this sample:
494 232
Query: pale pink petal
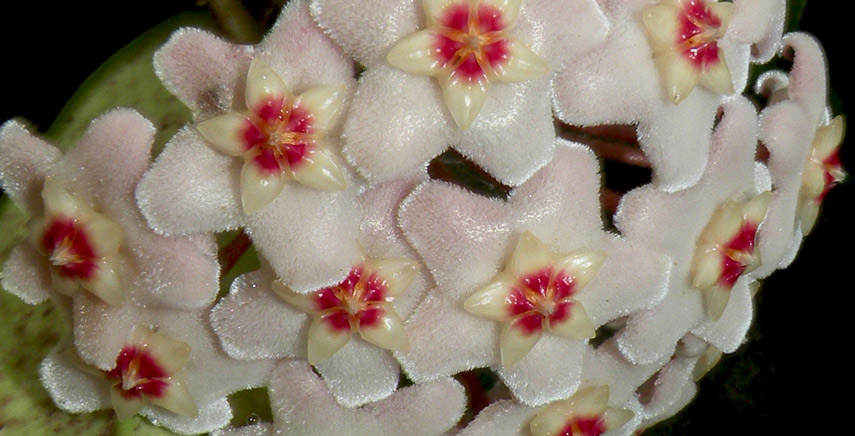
560 203
115 147
302 53
308 236
653 334
728 332
674 390
71 388
603 364
808 83
253 323
551 371
547 26
787 134
178 273
438 329
26 160
303 405
191 188
26 274
461 237
426 409
205 72
765 48
512 136
368 29
359 373
397 123
214 415
502 418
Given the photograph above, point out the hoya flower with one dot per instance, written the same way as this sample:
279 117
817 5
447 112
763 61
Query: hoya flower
657 50
261 153
87 235
587 413
159 363
505 300
803 142
470 74
347 330
710 233
303 405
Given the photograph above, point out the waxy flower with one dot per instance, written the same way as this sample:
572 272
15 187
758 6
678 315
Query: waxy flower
281 137
80 243
276 105
261 318
802 139
684 38
467 45
620 81
560 207
537 291
150 369
705 249
89 234
362 304
822 171
164 364
588 412
725 250
485 101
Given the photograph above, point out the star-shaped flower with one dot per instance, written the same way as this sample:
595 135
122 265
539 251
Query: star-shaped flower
164 368
280 137
684 38
620 81
362 304
80 244
399 121
467 45
705 250
588 412
802 140
559 206
261 318
88 234
725 250
537 291
276 105
149 369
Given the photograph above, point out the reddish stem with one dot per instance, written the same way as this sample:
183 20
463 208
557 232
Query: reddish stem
478 399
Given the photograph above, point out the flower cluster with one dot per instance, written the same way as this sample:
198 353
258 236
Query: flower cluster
381 281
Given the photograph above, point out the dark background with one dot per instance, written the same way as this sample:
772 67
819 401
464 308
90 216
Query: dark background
782 378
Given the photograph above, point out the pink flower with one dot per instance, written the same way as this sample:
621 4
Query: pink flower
490 98
87 234
633 76
480 277
261 154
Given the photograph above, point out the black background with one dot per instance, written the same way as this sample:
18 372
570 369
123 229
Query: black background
797 355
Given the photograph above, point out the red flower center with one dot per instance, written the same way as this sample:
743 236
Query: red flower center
69 248
278 135
356 302
541 297
584 426
738 254
471 40
137 374
698 34
832 168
